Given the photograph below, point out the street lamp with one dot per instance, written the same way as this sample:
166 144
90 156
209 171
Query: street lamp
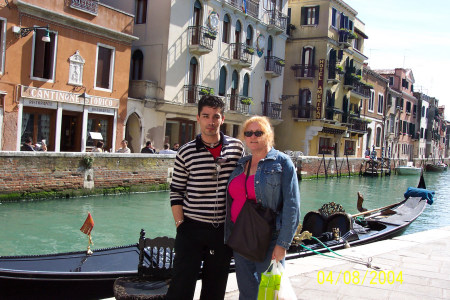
24 31
84 96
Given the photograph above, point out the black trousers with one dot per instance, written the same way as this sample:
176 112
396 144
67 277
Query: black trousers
198 242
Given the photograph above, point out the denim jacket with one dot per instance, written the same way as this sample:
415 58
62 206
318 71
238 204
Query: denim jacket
276 186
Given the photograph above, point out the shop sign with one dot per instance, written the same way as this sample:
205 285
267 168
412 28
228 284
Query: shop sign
320 89
101 110
66 97
40 103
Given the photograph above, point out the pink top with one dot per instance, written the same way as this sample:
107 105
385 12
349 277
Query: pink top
237 192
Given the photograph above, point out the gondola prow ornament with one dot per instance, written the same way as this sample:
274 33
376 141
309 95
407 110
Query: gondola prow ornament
86 229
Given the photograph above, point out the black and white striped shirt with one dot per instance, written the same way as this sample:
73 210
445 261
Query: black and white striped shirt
199 181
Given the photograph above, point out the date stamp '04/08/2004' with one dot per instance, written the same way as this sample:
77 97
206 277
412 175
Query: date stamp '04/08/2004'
356 277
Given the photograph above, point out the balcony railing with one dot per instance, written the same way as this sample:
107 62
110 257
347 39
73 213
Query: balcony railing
193 93
201 38
360 89
249 7
241 54
304 112
304 71
358 125
88 6
274 65
234 103
271 110
343 38
253 8
277 20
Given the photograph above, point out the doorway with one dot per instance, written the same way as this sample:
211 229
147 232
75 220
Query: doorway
71 132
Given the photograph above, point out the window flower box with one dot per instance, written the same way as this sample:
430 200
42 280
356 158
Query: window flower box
249 50
206 91
210 35
246 101
281 62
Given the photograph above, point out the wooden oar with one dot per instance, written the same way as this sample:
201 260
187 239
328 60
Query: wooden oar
377 209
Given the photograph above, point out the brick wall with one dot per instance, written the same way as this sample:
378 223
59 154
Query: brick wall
34 172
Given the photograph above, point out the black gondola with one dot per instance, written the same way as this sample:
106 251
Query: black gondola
77 275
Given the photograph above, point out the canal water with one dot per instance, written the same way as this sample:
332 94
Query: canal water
52 226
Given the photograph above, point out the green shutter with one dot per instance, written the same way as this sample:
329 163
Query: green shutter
317 14
303 16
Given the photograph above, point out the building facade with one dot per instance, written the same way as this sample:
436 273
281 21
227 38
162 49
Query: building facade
230 48
64 73
323 88
402 81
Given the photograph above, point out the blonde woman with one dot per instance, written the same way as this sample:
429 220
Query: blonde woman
272 181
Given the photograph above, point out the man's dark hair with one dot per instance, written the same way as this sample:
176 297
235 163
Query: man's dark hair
148 143
28 140
211 101
166 146
99 144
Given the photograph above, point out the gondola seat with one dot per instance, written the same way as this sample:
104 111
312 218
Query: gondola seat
329 216
154 271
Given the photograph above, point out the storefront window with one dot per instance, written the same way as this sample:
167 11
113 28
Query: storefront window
325 146
99 124
36 126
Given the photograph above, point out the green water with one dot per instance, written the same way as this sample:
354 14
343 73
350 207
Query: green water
51 226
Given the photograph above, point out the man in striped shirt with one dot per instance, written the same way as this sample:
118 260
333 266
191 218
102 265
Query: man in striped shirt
197 197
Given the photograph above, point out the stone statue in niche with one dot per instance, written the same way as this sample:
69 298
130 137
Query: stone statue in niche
76 64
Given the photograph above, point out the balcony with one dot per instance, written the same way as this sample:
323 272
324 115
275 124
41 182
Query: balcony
302 112
273 66
248 7
357 125
87 6
330 111
271 110
234 103
361 89
193 93
343 38
201 39
241 55
253 8
143 89
304 71
277 21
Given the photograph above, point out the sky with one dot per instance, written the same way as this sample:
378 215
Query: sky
410 34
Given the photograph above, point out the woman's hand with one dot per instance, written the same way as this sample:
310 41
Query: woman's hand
278 253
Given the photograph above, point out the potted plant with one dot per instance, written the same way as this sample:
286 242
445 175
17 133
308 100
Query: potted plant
246 100
352 35
281 62
249 50
210 34
340 69
206 91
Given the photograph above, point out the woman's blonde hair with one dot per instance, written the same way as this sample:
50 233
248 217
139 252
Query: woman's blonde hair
265 126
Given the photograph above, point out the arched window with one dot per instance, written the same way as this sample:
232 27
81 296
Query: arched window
197 13
137 61
192 84
237 32
265 108
222 81
304 103
234 90
308 61
269 46
246 85
226 29
249 38
378 140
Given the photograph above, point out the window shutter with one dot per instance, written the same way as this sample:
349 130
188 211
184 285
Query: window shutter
288 27
341 25
246 84
222 81
317 15
340 54
303 16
